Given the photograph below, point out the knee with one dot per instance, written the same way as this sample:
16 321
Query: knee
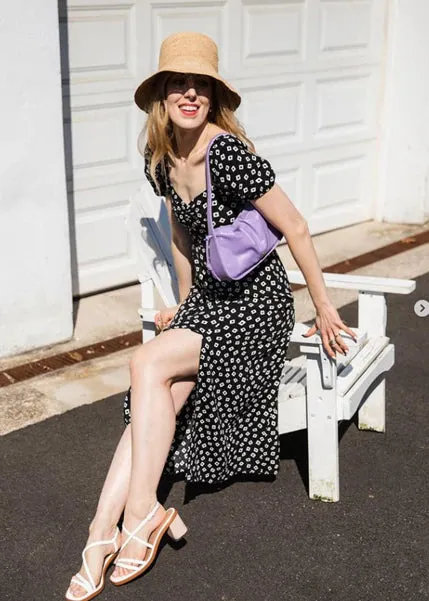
144 364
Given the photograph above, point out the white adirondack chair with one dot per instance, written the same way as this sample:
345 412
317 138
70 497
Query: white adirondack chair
316 392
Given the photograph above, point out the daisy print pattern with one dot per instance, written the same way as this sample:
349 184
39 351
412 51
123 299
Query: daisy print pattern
229 424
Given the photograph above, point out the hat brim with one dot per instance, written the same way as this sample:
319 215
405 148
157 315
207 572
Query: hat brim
147 91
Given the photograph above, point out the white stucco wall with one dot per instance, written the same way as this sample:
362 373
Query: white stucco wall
404 142
35 288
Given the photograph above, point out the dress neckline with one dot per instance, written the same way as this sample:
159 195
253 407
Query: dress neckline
203 192
187 204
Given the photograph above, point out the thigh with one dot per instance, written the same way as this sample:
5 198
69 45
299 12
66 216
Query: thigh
172 355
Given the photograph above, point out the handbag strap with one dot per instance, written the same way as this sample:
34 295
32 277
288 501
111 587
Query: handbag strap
209 185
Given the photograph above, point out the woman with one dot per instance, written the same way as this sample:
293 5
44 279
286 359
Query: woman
204 390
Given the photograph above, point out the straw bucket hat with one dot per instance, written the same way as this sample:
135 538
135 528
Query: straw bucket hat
185 52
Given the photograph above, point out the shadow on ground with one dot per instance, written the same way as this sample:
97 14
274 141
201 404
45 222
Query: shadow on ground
252 540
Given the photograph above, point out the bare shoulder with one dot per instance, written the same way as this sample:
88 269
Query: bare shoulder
215 130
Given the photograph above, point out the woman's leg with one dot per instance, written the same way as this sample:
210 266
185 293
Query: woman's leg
173 354
115 490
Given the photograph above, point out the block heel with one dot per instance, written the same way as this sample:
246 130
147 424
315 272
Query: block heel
177 529
171 524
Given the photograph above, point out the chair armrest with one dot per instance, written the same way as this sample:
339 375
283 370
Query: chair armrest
363 283
148 314
300 328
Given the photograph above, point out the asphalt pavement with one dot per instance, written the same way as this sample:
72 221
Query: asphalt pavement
251 540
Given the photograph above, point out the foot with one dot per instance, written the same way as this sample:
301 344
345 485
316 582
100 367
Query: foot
134 549
95 557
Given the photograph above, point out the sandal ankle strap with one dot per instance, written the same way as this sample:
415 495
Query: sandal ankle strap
132 535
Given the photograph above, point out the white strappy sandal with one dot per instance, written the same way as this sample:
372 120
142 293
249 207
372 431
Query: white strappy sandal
171 523
92 590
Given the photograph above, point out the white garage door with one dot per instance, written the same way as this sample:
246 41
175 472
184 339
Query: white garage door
310 73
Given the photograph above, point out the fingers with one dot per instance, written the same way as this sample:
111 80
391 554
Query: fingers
311 331
343 326
159 321
328 344
350 332
162 320
330 325
337 344
332 340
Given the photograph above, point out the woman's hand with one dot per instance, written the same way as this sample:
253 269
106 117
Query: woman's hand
164 317
329 323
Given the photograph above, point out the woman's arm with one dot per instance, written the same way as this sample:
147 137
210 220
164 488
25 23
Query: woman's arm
181 251
278 209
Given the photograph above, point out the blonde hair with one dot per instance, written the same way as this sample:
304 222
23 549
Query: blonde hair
157 134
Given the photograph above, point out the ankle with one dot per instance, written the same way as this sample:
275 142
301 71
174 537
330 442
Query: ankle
102 527
141 508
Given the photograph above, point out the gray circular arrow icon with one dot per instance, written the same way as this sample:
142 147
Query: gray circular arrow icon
421 308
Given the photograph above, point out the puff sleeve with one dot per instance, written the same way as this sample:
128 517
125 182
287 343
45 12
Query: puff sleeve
160 174
237 172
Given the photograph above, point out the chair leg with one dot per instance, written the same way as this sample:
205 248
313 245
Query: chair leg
372 414
147 292
322 430
372 310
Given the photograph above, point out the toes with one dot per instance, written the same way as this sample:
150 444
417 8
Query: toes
76 590
119 572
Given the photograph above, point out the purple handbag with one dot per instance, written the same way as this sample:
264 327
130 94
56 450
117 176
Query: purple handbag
234 250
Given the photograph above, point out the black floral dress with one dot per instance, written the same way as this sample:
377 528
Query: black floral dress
228 426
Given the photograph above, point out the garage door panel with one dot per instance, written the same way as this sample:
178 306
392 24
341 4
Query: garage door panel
295 112
341 187
345 105
272 112
324 182
350 29
272 33
345 27
103 248
104 129
338 182
101 235
102 275
345 32
102 137
111 56
133 178
103 197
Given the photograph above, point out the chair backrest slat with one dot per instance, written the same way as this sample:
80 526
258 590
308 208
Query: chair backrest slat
151 236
